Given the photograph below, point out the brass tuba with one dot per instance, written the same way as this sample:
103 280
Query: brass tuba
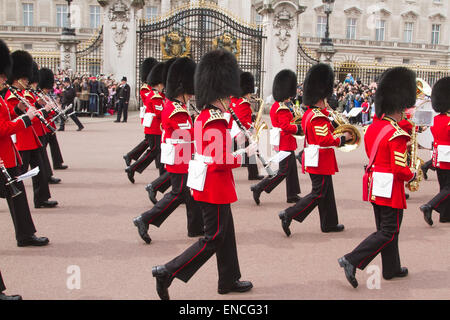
344 126
423 88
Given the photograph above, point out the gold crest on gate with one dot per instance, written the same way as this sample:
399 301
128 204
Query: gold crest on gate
175 45
228 42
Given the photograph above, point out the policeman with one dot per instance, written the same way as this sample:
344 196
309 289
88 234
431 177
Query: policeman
440 99
281 114
216 79
146 66
177 152
318 85
386 174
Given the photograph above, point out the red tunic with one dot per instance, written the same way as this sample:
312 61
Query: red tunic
441 135
154 103
392 158
281 117
37 125
243 110
177 126
213 140
319 131
26 139
8 151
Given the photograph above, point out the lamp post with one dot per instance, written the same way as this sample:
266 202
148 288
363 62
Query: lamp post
69 31
326 49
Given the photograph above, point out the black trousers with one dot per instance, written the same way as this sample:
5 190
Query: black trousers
2 284
162 183
74 118
441 202
180 194
122 107
43 149
57 158
137 151
33 158
153 153
321 196
219 239
18 207
385 241
288 171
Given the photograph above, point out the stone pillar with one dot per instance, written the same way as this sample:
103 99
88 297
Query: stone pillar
280 21
68 47
119 41
165 6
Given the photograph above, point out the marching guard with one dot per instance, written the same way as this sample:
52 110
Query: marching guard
216 79
28 142
281 114
319 159
386 174
243 110
440 99
177 150
11 162
146 66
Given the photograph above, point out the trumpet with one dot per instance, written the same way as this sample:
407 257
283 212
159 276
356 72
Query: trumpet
26 103
259 125
10 183
344 126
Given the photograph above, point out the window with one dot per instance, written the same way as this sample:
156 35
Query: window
27 14
433 63
406 61
321 26
435 30
27 46
408 32
351 28
61 16
94 15
258 19
379 59
380 30
151 12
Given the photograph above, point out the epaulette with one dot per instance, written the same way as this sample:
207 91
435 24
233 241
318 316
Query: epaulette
178 109
11 96
27 94
145 86
317 114
156 95
245 101
213 116
282 106
398 131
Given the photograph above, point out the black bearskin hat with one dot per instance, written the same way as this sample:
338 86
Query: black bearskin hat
155 76
216 77
440 96
318 84
396 91
35 73
5 59
166 68
22 65
147 66
247 83
180 78
284 85
46 79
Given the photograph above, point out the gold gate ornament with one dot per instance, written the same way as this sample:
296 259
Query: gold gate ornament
175 45
228 42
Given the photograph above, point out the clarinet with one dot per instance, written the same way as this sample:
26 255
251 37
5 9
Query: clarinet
51 102
25 102
10 182
250 138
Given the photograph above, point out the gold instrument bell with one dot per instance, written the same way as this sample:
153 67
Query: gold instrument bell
259 125
423 88
344 126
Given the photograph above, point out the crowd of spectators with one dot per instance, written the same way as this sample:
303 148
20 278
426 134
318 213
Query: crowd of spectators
94 94
348 95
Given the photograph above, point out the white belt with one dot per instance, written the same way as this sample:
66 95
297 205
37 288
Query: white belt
177 141
203 158
319 147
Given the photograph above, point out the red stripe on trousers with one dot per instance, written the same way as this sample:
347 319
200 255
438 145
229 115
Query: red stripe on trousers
321 190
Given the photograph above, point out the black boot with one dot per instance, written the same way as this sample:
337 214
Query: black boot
427 210
163 281
256 194
142 229
4 297
238 286
130 174
285 222
151 193
349 270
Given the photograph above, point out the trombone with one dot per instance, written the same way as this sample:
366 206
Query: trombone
344 126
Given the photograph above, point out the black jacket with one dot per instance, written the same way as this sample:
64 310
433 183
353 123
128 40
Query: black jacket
123 92
68 96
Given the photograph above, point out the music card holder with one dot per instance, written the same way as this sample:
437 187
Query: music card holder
197 175
311 156
382 183
167 153
142 112
275 134
443 153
